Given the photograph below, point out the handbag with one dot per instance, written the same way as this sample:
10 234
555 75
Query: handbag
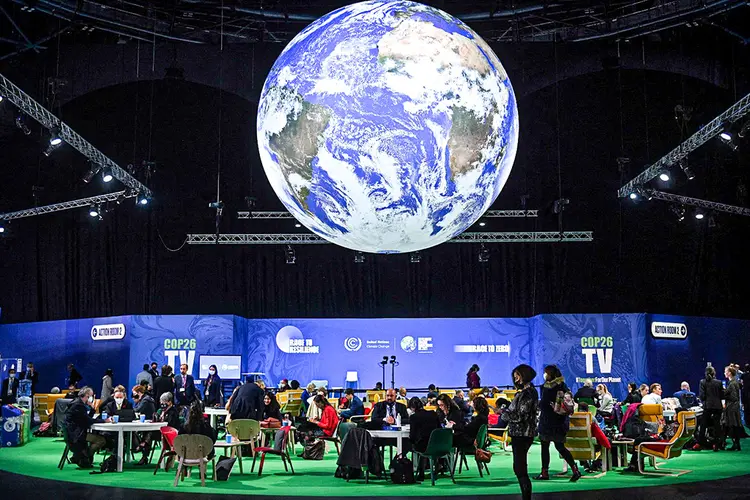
271 423
480 455
564 403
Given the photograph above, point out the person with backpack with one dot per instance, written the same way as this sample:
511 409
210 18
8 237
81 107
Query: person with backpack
556 405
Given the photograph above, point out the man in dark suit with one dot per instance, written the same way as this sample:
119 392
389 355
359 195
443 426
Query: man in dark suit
247 402
10 388
31 374
385 412
154 371
117 403
184 387
78 420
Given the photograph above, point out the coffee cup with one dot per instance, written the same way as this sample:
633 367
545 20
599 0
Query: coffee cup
229 438
143 418
116 418
104 415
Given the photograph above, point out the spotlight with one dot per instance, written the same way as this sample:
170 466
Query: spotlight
664 176
359 258
142 199
93 170
679 212
1 98
297 225
2 227
107 175
559 205
633 196
482 224
94 211
415 258
687 170
484 254
22 125
54 137
727 137
51 148
699 214
291 258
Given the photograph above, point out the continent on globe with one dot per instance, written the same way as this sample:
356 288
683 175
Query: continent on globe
387 126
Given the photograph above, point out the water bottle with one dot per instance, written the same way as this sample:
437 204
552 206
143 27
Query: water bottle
229 438
398 420
286 422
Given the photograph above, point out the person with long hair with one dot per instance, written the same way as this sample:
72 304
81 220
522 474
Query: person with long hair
634 395
107 386
196 423
606 401
471 430
472 377
271 408
711 393
213 389
521 418
323 426
731 418
553 427
421 425
451 416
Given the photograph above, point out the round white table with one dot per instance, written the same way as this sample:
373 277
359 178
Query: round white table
398 435
214 413
123 427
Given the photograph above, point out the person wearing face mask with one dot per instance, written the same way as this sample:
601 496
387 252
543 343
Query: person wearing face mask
31 374
10 388
521 418
78 421
143 404
213 388
184 387
154 371
117 403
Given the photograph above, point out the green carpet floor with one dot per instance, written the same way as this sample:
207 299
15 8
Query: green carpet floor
40 457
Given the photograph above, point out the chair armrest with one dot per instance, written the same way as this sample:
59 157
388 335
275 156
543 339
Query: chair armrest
665 444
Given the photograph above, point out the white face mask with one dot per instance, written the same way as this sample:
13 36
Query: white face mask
91 399
12 375
212 372
118 401
545 376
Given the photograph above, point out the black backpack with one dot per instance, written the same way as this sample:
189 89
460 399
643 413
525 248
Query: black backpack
224 467
346 472
401 470
109 464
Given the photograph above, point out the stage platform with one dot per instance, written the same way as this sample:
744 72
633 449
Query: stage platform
31 472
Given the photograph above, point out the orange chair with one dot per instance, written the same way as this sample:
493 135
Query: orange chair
668 449
651 413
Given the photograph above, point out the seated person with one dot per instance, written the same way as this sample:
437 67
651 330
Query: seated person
197 424
78 421
313 410
451 417
323 426
685 396
402 395
466 439
587 392
385 412
462 404
104 402
145 405
271 411
606 401
654 397
634 394
421 425
306 395
355 405
168 412
432 395
378 386
601 440
117 403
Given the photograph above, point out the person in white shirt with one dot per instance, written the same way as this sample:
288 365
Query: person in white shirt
654 397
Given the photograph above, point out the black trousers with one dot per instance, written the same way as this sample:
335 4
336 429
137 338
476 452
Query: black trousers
712 420
561 449
521 447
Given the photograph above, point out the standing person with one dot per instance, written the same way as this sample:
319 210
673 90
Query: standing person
73 376
145 374
10 388
552 426
247 402
472 377
164 382
184 387
154 371
31 374
711 393
745 379
731 417
107 386
521 418
214 390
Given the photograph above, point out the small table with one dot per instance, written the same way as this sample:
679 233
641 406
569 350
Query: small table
621 448
214 414
398 435
121 428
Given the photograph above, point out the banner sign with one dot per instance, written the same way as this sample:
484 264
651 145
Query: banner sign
660 330
108 332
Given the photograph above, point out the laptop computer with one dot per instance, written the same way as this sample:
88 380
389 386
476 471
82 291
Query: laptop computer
126 415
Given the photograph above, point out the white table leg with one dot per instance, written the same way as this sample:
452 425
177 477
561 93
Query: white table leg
399 444
213 420
120 452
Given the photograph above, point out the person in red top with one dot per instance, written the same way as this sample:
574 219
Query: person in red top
329 419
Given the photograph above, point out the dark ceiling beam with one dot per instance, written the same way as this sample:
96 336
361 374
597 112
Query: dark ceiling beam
19 30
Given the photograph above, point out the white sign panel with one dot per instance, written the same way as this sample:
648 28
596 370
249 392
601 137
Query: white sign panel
661 330
108 332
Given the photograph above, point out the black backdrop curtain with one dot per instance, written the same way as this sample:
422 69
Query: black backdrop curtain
68 265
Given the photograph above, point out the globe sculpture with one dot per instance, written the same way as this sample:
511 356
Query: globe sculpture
387 126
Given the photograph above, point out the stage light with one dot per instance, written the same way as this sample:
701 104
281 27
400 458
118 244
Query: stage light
679 212
415 257
664 176
633 196
94 211
54 137
699 215
2 227
298 225
93 170
727 137
484 254
482 224
142 199
22 125
393 359
359 258
107 175
291 258
51 148
687 170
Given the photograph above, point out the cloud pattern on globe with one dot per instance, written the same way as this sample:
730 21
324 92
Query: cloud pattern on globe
387 126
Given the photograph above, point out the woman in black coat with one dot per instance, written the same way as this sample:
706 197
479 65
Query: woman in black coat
552 426
634 395
213 389
271 407
731 418
521 418
197 424
711 393
421 425
164 384
451 415
472 428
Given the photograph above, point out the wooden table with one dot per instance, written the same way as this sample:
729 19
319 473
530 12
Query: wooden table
124 427
214 414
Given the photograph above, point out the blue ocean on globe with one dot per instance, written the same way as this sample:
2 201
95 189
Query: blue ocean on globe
387 126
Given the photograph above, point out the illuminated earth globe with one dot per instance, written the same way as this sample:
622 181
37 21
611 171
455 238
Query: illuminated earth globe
387 126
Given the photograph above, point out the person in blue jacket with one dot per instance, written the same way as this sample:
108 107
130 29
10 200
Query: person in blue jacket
213 390
356 407
184 387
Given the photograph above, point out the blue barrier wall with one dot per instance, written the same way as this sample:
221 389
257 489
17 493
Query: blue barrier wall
609 348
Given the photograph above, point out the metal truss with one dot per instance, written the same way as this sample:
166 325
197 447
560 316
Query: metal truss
734 113
312 239
38 112
696 202
287 215
68 205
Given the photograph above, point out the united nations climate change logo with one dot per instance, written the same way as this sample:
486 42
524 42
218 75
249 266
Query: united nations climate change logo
408 343
353 344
